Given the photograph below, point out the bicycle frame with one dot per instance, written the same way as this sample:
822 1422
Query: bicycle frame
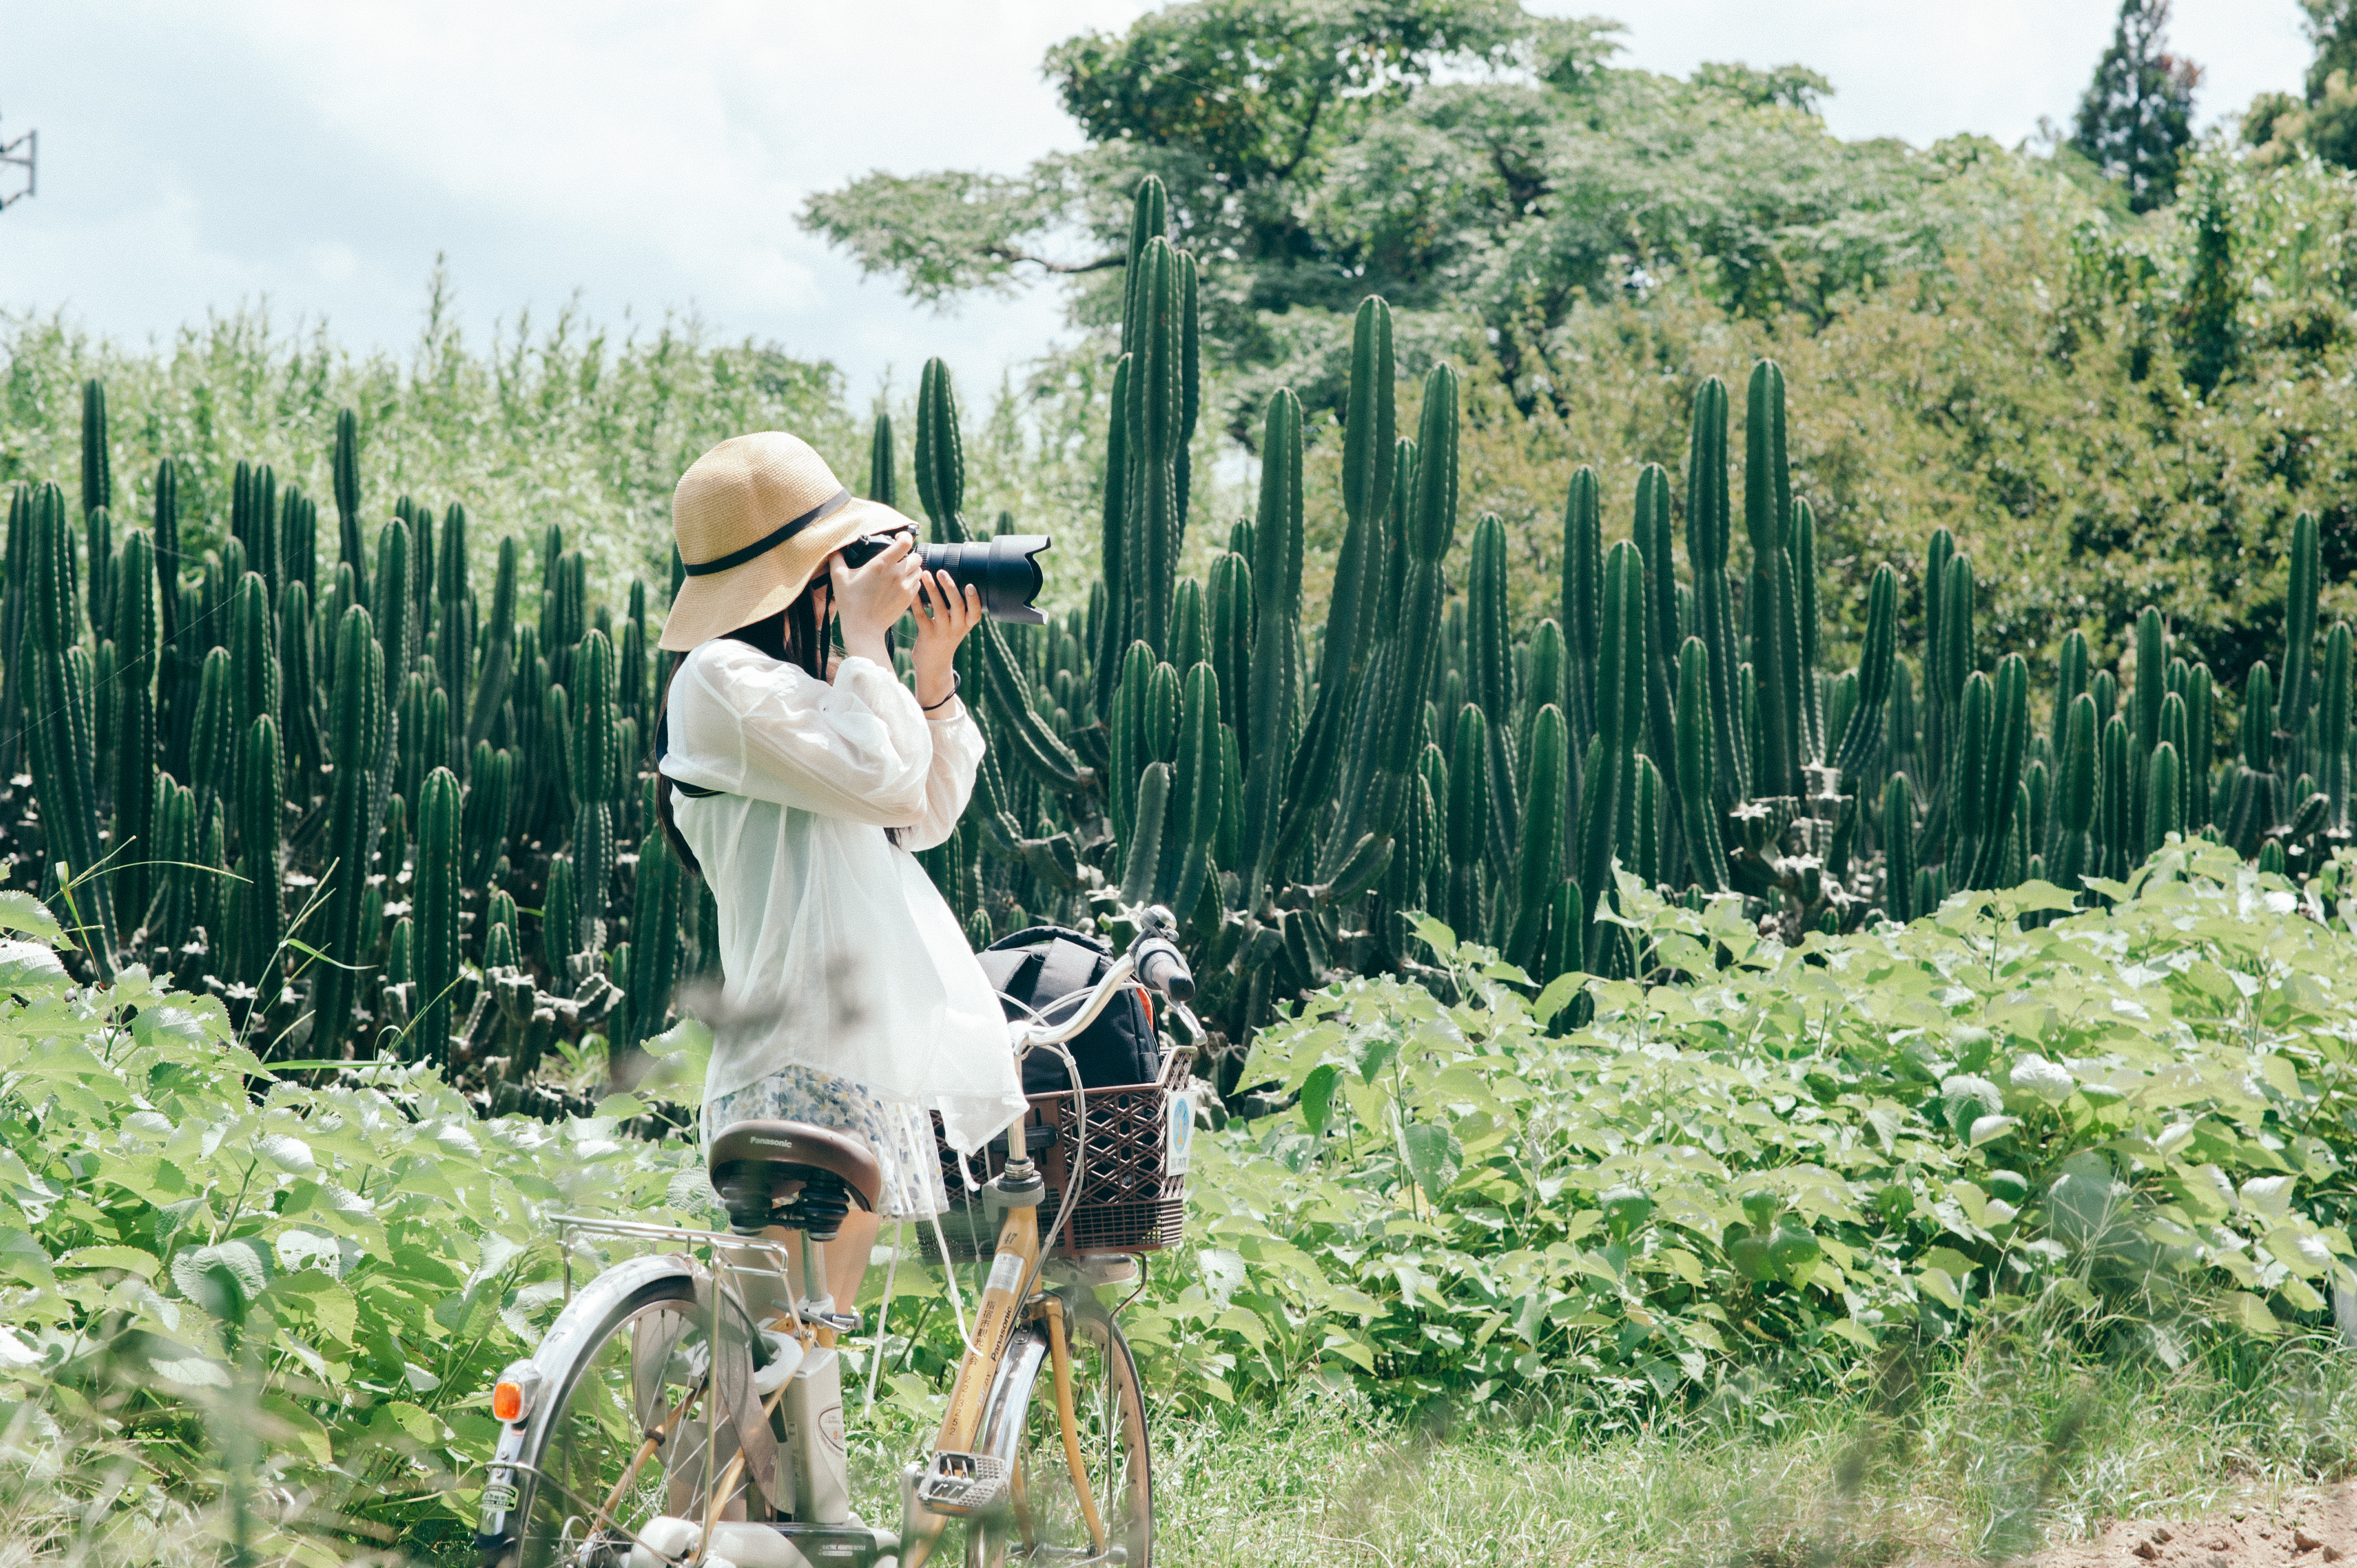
1014 1269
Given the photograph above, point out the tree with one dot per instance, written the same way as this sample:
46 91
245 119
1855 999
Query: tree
2279 124
2138 113
1486 170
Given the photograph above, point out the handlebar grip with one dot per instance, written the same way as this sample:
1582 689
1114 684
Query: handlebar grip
1160 965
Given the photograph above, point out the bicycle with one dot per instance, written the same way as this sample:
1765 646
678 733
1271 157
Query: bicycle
664 1422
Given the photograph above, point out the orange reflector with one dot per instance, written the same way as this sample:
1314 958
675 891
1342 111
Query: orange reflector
507 1401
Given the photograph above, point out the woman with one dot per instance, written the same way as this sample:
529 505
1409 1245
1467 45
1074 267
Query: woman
797 780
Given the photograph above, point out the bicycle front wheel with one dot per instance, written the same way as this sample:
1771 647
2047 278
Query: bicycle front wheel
1081 1483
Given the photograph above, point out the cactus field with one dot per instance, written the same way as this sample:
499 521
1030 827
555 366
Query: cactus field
382 809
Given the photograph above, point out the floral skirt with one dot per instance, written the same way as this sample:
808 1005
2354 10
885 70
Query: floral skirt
900 1137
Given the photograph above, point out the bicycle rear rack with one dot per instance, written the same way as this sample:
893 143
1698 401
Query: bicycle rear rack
729 1248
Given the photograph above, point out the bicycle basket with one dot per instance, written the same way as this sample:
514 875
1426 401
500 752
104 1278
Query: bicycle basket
1132 1181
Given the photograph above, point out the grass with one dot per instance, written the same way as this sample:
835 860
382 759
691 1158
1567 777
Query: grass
2011 1445
2012 1442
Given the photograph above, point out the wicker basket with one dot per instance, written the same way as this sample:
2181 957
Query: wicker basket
1134 1179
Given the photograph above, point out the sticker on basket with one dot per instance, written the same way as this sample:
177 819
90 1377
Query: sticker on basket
1181 1146
1006 1273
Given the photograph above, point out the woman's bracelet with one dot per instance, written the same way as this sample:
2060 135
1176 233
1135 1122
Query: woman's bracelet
928 707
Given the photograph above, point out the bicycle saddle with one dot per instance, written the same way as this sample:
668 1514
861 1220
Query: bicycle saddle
793 1173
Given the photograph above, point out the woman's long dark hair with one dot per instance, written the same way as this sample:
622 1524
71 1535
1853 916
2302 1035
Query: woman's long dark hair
793 636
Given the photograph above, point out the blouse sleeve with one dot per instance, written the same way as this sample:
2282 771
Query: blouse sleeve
748 724
957 754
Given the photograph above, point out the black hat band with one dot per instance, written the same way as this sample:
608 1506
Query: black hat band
825 510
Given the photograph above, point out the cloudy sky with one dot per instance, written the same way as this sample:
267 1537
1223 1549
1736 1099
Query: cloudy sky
321 156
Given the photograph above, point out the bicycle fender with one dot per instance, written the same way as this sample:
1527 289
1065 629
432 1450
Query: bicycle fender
732 1377
1010 1395
583 1317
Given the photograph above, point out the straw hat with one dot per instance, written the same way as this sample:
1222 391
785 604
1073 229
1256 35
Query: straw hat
755 517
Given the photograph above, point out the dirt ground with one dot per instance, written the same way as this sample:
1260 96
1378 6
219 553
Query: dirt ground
2306 1529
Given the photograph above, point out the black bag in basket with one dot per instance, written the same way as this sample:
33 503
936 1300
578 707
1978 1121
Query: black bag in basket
1037 965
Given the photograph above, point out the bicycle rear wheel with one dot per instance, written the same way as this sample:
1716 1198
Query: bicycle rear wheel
590 1476
1048 1521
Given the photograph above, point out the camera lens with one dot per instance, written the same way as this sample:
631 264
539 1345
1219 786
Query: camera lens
1001 569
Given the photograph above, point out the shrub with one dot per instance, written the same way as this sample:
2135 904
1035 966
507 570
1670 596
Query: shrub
1761 1159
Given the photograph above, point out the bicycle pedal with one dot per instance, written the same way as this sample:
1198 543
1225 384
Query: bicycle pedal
964 1486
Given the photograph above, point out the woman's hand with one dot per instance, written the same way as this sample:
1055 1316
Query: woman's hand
869 599
949 613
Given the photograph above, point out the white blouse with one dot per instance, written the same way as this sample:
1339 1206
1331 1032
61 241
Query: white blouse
838 953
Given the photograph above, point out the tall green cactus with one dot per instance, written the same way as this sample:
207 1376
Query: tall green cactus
1267 738
132 696
1705 855
63 732
2069 679
171 918
1654 536
1771 600
498 665
1490 686
1972 816
357 708
15 610
300 693
2165 810
1814 742
1708 519
97 467
454 629
1112 640
1413 648
347 466
1198 794
1469 815
1583 572
596 784
1999 786
560 917
1370 465
1154 441
259 903
490 786
654 918
1863 736
881 484
1609 796
2331 727
1231 637
2114 776
434 899
1540 869
1899 849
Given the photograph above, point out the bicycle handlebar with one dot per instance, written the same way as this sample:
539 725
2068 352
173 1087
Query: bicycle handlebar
1161 967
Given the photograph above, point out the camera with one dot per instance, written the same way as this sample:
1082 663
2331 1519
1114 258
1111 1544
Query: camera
1001 570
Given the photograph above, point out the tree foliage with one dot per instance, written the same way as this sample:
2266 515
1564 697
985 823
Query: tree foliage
2138 113
1484 169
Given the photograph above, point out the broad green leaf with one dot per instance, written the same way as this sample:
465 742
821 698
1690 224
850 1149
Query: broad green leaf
224 1279
21 911
144 1265
2304 1253
1317 1096
1433 1154
288 1153
2249 1313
